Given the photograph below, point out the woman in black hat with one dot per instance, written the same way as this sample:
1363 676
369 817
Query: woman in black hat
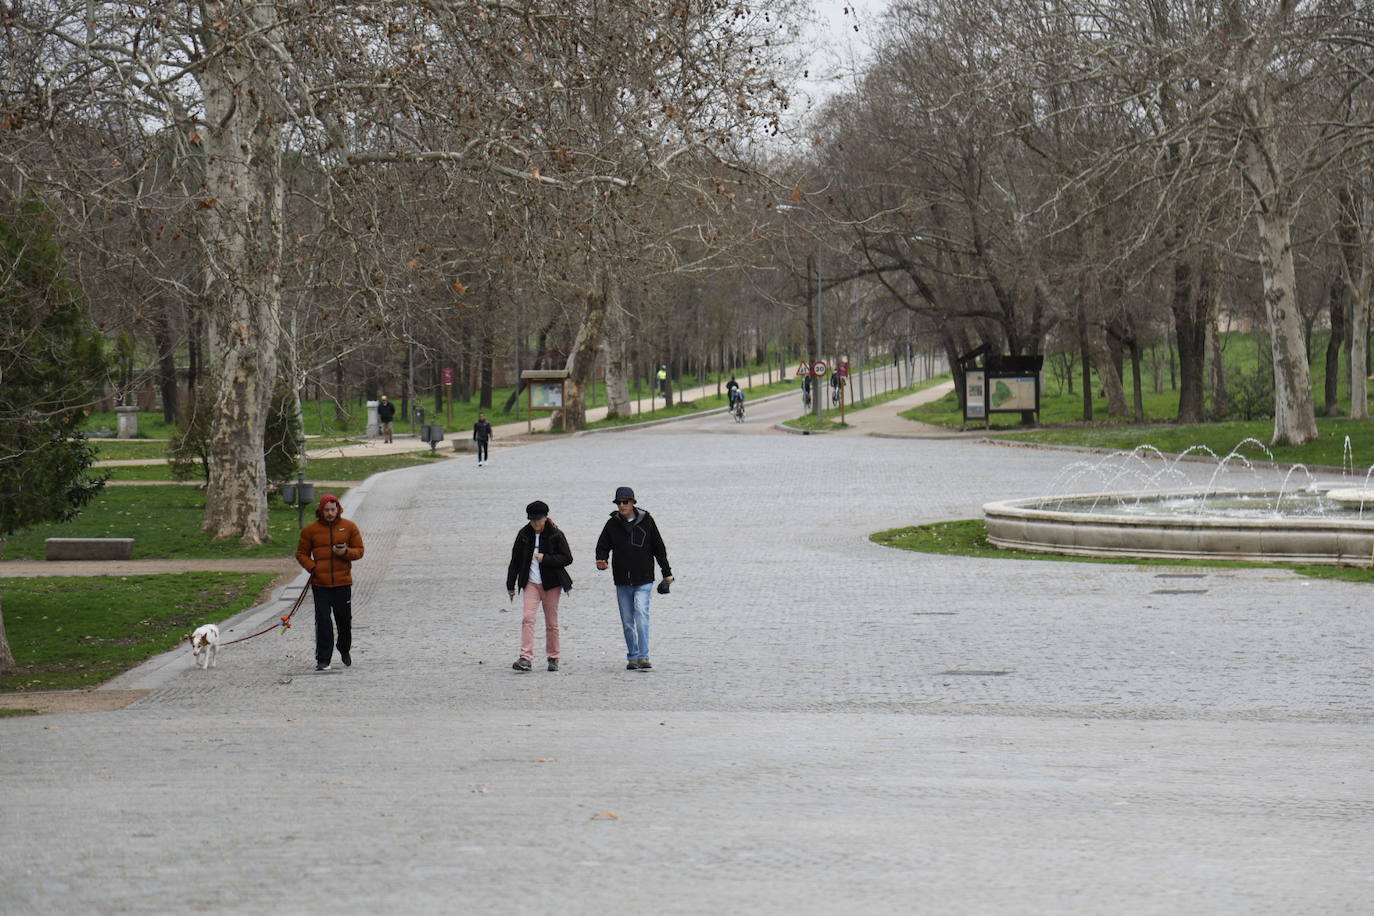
538 566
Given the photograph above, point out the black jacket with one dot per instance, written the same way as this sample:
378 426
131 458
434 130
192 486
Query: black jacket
552 569
481 430
632 548
385 412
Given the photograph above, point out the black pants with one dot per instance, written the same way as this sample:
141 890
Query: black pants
337 602
481 449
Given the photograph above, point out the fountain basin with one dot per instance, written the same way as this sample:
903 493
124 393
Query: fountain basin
1124 525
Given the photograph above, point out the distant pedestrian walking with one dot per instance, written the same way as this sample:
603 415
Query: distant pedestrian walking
663 381
539 567
481 433
386 412
327 550
630 540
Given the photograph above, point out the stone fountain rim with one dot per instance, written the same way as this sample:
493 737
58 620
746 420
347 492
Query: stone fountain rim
1017 508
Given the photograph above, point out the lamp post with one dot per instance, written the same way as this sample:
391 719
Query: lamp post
299 494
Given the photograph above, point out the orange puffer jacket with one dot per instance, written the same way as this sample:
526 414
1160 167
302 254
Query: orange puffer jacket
316 555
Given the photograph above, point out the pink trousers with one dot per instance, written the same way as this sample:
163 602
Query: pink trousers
536 595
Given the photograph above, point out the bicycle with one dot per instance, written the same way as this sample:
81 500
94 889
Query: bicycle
836 395
737 405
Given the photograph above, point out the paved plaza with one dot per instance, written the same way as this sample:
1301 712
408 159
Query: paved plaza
830 726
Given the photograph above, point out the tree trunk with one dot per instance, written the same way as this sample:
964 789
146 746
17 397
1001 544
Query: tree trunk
166 363
8 668
486 367
1085 359
340 408
1191 317
582 358
1138 395
1357 223
1295 420
615 355
242 233
1221 398
1107 374
1331 401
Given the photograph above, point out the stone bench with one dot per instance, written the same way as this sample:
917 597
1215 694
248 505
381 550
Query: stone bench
89 548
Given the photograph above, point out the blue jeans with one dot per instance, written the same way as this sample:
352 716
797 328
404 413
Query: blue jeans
634 617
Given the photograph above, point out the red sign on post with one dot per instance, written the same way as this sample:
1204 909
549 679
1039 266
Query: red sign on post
842 370
447 375
819 368
803 369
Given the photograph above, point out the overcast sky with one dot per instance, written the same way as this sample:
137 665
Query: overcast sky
837 46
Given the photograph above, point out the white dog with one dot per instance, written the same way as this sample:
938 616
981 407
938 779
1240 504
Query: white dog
205 644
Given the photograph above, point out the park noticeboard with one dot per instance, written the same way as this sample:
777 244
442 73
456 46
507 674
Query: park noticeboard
1007 384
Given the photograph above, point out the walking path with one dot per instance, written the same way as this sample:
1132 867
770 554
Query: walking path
830 726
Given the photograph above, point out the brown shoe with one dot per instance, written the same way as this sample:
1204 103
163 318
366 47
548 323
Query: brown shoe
643 664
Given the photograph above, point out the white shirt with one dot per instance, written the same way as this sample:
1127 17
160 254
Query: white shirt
534 564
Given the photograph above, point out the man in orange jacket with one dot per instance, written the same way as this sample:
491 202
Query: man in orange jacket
327 550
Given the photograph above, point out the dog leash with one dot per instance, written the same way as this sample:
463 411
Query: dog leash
285 622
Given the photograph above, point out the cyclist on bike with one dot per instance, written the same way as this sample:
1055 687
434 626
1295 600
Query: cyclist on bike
732 391
836 389
806 391
737 404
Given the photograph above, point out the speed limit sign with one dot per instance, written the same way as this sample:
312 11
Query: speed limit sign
818 368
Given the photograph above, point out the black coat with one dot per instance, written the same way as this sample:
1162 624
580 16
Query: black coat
552 569
632 548
385 412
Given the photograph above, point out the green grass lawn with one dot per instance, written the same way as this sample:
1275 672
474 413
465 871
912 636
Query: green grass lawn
78 631
969 538
1062 410
710 402
1328 449
831 415
359 468
164 521
129 450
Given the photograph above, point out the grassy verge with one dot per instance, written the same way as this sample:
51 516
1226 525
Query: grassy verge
69 632
1328 449
969 538
319 469
700 405
830 414
130 450
165 523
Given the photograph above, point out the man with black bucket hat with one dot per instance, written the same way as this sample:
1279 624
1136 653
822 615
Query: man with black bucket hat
631 542
539 566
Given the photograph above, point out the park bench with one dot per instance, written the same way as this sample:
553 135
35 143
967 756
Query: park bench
89 548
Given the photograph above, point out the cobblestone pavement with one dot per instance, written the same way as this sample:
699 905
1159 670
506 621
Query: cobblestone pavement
830 725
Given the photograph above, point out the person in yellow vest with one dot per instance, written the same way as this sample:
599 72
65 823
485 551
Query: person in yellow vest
663 381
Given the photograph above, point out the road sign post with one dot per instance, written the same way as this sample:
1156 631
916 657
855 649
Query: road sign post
818 371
